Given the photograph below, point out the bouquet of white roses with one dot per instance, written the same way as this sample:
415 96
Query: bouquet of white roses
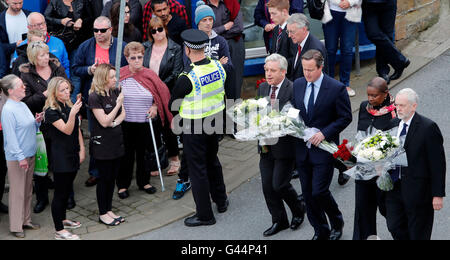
376 154
248 111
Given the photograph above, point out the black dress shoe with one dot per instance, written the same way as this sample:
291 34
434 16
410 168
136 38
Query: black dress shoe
336 233
151 190
398 73
71 203
223 208
296 222
343 178
124 195
40 206
386 77
194 221
295 174
3 208
275 228
319 237
92 181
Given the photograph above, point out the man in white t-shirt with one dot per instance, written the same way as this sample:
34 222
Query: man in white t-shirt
13 24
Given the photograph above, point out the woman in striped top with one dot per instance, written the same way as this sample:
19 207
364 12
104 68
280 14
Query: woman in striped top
146 96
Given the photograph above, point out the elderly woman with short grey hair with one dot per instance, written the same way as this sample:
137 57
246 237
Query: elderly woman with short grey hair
19 133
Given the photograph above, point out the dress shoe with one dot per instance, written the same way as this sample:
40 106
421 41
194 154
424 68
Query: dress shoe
151 190
343 178
398 73
40 206
275 228
386 77
194 221
18 234
222 208
92 181
336 233
124 195
71 203
3 208
295 174
319 237
296 222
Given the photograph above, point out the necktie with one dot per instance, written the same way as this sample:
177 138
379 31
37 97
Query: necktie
311 102
395 175
299 51
273 95
279 37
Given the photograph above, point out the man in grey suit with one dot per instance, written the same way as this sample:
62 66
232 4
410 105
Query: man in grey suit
277 161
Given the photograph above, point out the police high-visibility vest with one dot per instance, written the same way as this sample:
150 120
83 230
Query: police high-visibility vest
208 92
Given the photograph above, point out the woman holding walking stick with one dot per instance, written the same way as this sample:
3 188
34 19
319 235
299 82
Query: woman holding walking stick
106 102
145 96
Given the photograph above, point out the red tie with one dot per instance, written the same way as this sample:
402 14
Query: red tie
273 95
299 48
279 37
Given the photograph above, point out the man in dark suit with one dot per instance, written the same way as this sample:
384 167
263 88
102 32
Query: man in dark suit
419 188
281 43
324 104
277 160
298 30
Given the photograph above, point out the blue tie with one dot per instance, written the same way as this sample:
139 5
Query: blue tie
395 175
311 102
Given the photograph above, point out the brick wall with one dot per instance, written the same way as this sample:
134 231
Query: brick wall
414 16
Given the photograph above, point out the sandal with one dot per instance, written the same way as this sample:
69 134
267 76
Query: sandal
66 236
120 219
69 224
114 223
174 168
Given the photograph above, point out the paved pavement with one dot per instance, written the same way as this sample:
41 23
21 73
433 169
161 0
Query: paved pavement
146 212
247 216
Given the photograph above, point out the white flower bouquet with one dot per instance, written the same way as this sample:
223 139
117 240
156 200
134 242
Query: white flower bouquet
376 154
246 112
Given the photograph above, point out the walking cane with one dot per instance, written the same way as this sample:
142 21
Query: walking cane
156 153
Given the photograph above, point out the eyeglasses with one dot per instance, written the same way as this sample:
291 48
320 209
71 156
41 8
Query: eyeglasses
103 30
38 25
160 29
133 58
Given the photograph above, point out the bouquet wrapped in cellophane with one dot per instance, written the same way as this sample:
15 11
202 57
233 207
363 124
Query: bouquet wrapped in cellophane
268 124
376 154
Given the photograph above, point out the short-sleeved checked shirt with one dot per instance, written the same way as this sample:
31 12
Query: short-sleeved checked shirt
175 8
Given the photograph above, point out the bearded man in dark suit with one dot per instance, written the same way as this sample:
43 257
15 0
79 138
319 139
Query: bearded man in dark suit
325 105
277 160
419 188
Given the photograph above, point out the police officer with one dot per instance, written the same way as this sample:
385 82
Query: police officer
201 90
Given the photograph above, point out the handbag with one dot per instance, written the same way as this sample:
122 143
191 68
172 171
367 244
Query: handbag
41 161
66 34
150 163
316 8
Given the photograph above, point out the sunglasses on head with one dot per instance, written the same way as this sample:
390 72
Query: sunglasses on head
103 30
160 29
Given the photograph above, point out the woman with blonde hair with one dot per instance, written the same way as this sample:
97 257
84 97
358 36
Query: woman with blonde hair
68 152
106 103
35 75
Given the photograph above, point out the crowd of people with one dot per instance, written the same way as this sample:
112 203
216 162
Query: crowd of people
57 69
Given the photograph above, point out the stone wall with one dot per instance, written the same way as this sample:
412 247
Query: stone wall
414 16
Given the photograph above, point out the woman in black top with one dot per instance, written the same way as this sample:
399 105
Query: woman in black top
67 151
374 114
106 143
130 32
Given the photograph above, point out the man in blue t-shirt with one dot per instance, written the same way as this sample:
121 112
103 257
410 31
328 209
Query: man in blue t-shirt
36 21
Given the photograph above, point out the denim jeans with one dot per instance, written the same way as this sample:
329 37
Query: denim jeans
340 33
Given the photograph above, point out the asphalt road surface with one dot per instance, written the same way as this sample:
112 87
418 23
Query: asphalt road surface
247 216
